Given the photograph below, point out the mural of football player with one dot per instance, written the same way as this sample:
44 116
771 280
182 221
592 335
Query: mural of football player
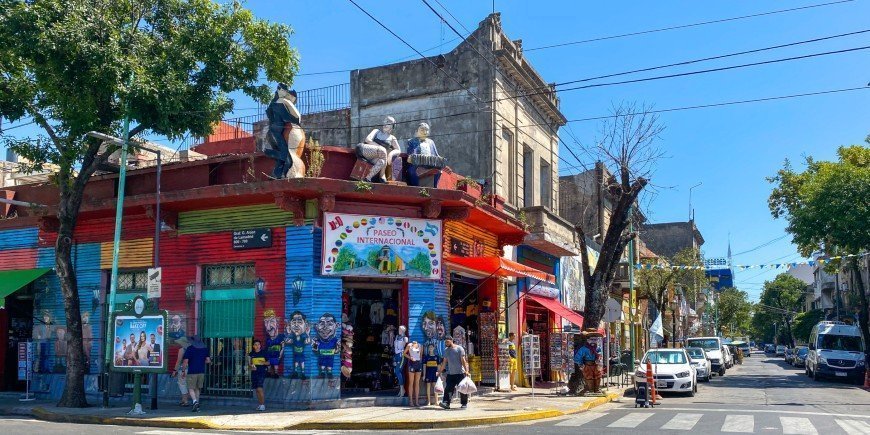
274 341
177 326
440 335
297 336
326 346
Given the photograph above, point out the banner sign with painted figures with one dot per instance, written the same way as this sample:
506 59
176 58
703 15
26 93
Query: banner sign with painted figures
379 246
139 341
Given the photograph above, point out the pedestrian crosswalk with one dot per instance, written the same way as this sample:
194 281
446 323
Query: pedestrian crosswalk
724 421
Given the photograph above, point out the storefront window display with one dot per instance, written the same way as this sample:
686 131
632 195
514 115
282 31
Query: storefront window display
373 315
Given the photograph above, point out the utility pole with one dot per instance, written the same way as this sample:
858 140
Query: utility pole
631 296
116 246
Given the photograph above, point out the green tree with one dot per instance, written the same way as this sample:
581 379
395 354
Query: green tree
735 311
421 263
73 66
804 322
656 285
826 208
782 298
344 259
372 258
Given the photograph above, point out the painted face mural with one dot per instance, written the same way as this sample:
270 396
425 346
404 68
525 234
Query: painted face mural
297 325
326 326
270 323
428 325
440 329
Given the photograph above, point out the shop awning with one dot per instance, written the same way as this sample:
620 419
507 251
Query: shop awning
557 308
498 266
12 280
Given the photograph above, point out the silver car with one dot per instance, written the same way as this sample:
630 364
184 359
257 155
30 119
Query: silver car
700 362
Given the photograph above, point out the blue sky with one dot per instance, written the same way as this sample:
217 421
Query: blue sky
729 149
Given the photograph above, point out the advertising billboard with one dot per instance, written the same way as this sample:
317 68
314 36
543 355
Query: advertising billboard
139 343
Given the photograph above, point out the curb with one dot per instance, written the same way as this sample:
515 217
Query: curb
204 423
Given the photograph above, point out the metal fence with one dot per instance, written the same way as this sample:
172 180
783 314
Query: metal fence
324 99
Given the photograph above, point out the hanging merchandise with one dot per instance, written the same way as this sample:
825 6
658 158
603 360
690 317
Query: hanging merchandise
346 349
562 352
531 355
488 340
459 337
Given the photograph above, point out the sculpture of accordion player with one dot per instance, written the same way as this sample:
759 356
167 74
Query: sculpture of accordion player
422 155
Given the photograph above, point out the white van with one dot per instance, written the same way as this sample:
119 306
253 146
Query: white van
713 347
836 350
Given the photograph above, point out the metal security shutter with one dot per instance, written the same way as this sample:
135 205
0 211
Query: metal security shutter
228 313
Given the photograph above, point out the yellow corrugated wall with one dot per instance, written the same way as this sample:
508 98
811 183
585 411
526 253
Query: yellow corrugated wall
132 253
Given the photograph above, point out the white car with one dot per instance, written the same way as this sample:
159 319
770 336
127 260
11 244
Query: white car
713 347
698 359
836 350
728 357
672 371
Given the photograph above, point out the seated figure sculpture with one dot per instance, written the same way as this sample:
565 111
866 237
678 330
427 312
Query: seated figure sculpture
285 134
374 150
422 154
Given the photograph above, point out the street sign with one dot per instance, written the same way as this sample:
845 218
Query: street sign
154 282
252 239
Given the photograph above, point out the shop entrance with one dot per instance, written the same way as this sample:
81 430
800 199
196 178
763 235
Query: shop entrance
373 309
538 322
17 319
465 313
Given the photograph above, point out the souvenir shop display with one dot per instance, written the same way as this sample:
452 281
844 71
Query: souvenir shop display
504 365
488 339
368 334
561 352
532 355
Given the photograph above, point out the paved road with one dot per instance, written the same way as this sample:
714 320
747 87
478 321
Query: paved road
764 395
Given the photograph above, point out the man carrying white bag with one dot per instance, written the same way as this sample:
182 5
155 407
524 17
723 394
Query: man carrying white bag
457 369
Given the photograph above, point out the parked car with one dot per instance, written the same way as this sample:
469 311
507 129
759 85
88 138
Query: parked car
698 359
746 348
727 356
837 350
788 355
780 350
672 371
769 348
713 348
800 356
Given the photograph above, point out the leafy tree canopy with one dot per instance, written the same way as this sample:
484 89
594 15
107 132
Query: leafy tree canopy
655 284
735 311
826 206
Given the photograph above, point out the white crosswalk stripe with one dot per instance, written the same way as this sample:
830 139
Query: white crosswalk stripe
682 421
797 425
739 423
854 427
631 420
581 419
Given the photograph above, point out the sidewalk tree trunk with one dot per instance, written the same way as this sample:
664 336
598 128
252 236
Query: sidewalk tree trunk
826 209
627 147
71 67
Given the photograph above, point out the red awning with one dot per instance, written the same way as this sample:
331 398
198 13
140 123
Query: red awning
557 308
498 266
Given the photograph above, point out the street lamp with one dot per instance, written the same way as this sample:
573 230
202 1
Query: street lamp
298 285
261 288
190 292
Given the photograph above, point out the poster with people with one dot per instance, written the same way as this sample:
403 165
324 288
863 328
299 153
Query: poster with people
139 343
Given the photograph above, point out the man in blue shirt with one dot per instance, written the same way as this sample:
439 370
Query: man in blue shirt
196 356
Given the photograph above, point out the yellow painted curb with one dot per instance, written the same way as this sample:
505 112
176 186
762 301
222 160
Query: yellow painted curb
205 423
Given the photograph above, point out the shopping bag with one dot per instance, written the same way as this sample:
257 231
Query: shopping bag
439 386
466 386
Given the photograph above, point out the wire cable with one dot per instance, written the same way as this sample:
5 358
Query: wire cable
684 26
384 26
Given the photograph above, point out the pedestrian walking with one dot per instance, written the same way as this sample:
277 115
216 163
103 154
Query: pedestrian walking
456 364
196 357
259 362
180 373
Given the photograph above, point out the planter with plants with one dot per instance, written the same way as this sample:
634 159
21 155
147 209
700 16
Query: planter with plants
469 186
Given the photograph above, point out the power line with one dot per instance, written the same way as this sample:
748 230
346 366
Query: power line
384 26
684 26
722 56
768 243
498 71
318 73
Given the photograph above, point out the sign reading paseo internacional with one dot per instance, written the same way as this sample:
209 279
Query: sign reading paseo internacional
381 246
